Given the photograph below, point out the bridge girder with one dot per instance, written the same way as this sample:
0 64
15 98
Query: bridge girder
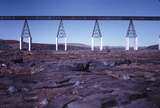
151 18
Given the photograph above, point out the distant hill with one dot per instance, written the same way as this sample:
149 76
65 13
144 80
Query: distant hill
8 44
13 44
152 47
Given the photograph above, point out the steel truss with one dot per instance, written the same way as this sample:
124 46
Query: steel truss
61 34
26 34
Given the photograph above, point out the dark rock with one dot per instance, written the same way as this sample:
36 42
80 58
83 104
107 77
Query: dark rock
109 103
103 65
123 61
62 81
137 96
32 64
18 60
140 103
97 66
82 67
2 86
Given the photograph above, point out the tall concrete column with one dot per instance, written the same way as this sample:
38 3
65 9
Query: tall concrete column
65 44
135 43
101 47
92 44
127 43
56 44
29 43
20 43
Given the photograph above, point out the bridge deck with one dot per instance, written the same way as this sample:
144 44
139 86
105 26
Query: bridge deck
152 18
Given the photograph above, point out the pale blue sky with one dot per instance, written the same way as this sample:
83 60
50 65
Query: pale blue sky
80 31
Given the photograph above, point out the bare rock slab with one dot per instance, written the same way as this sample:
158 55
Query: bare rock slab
85 104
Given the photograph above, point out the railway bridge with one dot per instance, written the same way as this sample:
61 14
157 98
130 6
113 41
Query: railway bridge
131 32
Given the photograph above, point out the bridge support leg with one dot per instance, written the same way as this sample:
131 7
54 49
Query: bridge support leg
65 44
127 43
61 34
131 33
92 44
136 43
26 35
20 43
101 47
29 43
56 44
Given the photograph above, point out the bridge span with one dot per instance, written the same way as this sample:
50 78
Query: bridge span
151 18
131 32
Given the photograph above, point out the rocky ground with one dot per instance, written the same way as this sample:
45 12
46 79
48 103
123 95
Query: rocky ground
80 79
